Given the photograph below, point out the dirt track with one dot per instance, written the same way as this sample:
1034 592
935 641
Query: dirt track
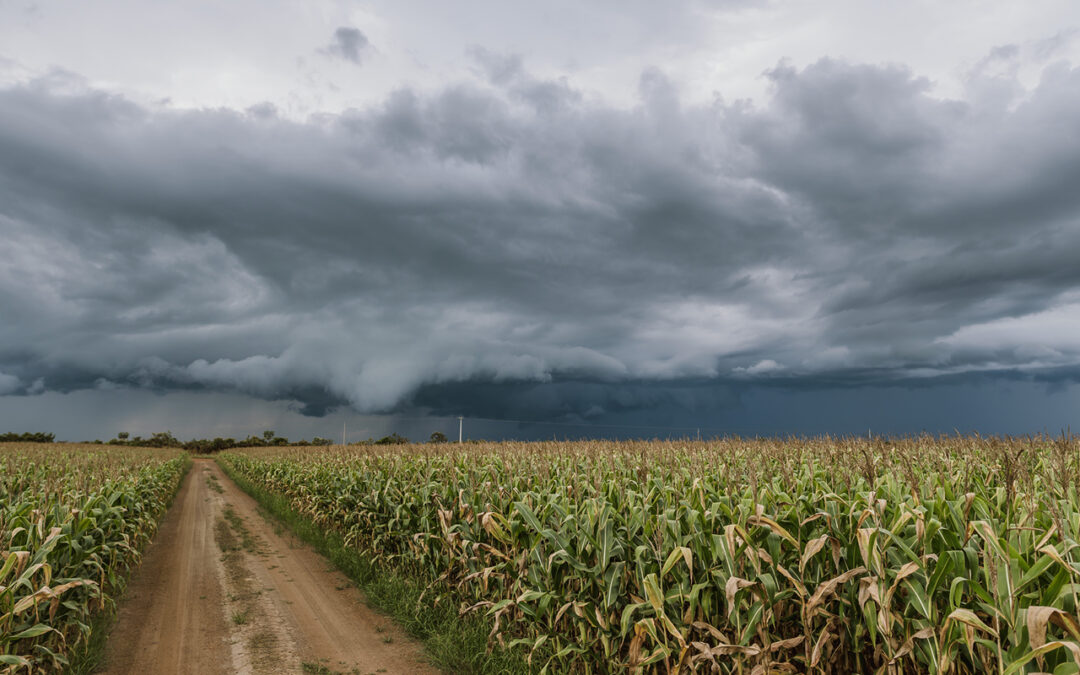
224 590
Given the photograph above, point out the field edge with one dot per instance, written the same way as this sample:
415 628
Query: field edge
454 643
87 658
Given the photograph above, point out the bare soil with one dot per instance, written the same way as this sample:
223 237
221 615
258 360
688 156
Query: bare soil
223 589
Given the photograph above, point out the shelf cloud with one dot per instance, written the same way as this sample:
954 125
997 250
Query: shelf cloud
509 229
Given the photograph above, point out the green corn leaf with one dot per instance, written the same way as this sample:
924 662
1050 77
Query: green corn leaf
653 593
1071 647
32 632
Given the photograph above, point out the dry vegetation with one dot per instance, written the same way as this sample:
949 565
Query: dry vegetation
72 521
953 555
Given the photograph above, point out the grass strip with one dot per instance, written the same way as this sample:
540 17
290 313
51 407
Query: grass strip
454 643
86 658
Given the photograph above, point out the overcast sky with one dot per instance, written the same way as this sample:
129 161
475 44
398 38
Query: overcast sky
630 218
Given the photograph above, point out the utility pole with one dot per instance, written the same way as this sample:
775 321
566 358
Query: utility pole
460 425
343 432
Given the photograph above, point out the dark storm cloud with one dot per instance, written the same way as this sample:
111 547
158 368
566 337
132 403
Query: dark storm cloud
348 43
453 248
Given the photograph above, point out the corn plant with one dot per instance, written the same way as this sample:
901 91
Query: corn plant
919 555
72 521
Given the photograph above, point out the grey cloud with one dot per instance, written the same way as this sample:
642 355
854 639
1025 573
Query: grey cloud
349 43
9 384
989 405
494 236
499 69
1051 46
1004 52
507 71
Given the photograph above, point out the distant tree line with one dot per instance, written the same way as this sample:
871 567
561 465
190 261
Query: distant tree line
165 439
268 438
29 437
394 439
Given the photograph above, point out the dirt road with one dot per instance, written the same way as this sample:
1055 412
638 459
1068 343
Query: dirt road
223 589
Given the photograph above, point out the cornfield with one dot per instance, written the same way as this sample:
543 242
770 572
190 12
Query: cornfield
923 555
72 521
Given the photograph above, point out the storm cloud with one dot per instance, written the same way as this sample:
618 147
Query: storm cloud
349 43
451 249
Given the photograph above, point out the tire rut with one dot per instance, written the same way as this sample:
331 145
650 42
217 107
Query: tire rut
224 590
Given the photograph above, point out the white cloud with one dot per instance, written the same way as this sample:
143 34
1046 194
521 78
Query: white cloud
1037 340
255 52
761 367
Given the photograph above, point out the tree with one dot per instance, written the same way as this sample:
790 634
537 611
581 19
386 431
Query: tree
268 435
164 439
437 437
123 435
27 437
